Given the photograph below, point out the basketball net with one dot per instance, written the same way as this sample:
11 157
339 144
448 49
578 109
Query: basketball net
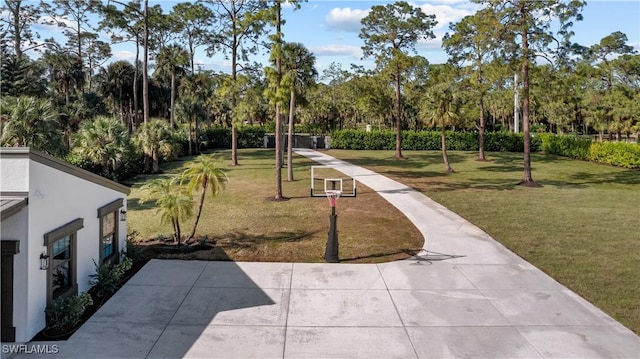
333 196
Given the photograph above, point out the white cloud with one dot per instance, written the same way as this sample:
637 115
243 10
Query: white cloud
345 19
445 14
123 55
338 50
431 44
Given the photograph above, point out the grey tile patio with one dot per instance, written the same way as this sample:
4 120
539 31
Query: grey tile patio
423 275
348 308
234 306
336 276
246 275
445 308
193 341
176 272
583 342
347 342
471 343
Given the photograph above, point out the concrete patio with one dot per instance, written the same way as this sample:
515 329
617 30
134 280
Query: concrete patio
464 296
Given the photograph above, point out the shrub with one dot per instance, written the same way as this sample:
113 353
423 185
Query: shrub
248 137
107 278
567 146
620 154
64 314
429 140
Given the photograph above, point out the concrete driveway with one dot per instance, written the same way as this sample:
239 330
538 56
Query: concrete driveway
464 296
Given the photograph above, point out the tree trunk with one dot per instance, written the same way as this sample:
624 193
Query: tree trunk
398 154
156 161
527 179
443 142
278 119
135 85
292 105
145 77
173 98
234 75
205 183
481 156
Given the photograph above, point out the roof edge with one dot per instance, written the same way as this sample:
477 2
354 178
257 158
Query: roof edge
50 161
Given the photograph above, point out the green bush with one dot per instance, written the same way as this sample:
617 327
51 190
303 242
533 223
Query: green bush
567 146
620 154
248 137
64 314
108 278
429 140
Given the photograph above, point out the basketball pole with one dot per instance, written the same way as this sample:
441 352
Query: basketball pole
331 250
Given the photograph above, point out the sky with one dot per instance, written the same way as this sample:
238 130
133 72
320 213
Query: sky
329 29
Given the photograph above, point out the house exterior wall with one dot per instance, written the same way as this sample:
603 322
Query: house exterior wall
57 198
58 193
16 228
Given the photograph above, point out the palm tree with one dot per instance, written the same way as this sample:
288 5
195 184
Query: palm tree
33 122
203 173
188 109
153 138
298 64
115 83
440 108
104 142
174 203
171 61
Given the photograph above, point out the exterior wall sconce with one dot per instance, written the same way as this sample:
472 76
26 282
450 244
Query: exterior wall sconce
123 215
44 261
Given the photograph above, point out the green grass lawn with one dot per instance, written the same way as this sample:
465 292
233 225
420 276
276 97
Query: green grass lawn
582 227
245 224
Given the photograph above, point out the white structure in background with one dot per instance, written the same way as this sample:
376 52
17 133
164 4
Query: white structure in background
55 220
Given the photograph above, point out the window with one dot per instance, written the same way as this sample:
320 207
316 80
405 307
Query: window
61 247
108 246
108 235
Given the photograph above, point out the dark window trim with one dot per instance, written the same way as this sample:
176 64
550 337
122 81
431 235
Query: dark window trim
111 207
64 230
102 212
73 239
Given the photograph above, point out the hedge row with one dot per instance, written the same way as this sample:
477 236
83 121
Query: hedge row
430 140
619 154
248 137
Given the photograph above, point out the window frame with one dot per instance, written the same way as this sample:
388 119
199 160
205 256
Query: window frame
71 230
110 208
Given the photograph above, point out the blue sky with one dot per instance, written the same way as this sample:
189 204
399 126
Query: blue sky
330 29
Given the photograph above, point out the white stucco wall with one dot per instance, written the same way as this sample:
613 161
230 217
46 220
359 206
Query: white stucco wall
16 228
15 174
55 199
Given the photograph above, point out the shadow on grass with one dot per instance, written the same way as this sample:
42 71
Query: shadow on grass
627 177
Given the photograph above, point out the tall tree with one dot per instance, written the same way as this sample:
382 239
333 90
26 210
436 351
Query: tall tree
242 23
126 25
80 27
472 42
298 64
193 22
388 32
440 107
529 23
171 61
20 16
203 173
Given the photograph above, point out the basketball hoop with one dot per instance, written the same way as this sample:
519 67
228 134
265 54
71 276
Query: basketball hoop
333 196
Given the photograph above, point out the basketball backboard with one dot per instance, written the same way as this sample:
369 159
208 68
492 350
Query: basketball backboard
325 178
